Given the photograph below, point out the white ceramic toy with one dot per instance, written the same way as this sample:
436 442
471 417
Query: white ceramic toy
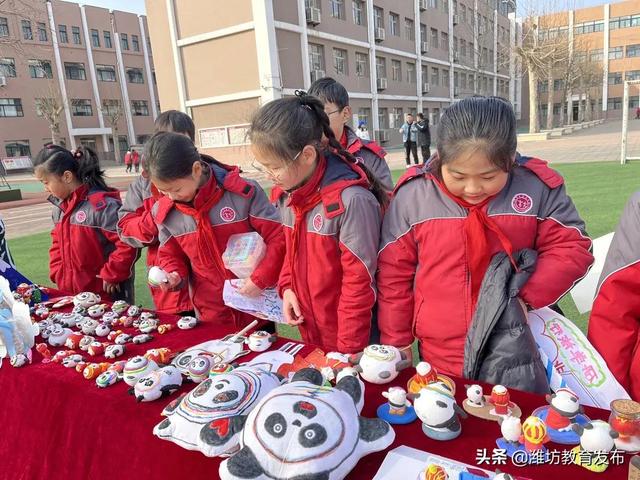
380 363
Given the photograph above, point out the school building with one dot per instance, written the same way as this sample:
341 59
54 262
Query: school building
94 64
395 57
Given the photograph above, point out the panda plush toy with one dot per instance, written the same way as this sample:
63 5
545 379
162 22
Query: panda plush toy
305 430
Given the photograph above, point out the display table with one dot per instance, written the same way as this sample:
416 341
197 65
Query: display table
54 424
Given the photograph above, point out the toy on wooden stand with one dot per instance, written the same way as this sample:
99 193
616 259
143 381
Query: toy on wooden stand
561 414
490 407
596 441
398 409
440 414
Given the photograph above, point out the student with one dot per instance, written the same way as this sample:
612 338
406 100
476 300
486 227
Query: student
362 131
204 203
135 159
614 325
336 105
330 207
137 227
423 137
409 131
128 161
449 218
86 253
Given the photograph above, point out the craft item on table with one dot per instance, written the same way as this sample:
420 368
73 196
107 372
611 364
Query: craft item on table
80 366
44 327
69 320
398 409
119 307
625 419
17 331
72 360
96 311
58 335
85 342
199 367
157 384
563 411
125 321
137 367
220 368
352 372
157 277
86 299
475 396
60 355
596 441
534 436
110 317
149 325
259 341
123 338
495 406
165 328
92 370
102 330
211 416
79 310
41 312
380 363
159 355
305 429
433 472
147 316
118 366
511 429
329 375
142 338
503 476
43 350
275 360
243 253
634 468
63 302
134 311
437 409
96 348
426 374
113 335
266 306
89 326
187 323
107 378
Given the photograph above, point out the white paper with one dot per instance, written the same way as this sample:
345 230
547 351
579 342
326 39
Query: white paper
584 292
267 306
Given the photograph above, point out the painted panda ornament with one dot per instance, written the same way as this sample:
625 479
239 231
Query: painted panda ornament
380 363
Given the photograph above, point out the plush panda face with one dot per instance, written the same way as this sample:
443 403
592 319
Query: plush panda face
86 299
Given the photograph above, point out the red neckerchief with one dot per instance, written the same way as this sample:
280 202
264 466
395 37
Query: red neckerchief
477 247
302 201
206 197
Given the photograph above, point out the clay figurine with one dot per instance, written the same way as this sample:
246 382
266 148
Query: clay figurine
596 441
157 276
119 307
165 328
157 384
561 414
73 340
475 397
500 399
142 338
86 299
110 317
114 351
437 409
162 356
93 370
95 349
398 409
199 368
69 320
433 472
187 323
426 374
123 338
102 330
534 436
136 368
260 341
107 378
72 360
89 326
511 429
79 310
490 407
380 363
96 311
58 335
148 325
134 311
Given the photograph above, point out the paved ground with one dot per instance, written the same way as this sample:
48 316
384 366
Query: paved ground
601 143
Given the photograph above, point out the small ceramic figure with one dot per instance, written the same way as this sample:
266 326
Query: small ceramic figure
534 434
72 360
475 396
157 384
43 350
437 409
60 355
85 342
123 338
89 326
157 276
92 370
161 356
113 334
125 321
134 311
58 335
69 320
147 316
500 400
596 441
149 325
511 429
110 317
102 330
433 472
425 375
199 368
380 363
165 328
114 351
219 369
41 312
398 409
119 306
107 378
563 411
73 340
79 310
187 323
95 349
96 311
260 341
142 338
86 299
136 368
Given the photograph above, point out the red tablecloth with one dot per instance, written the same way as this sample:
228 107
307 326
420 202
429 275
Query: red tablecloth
54 424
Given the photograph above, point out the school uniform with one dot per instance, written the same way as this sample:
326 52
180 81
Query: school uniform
370 154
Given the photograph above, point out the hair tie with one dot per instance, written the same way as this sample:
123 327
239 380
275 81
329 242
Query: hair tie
78 154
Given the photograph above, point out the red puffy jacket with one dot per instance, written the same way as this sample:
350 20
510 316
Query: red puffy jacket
331 260
85 243
137 228
614 325
424 288
242 207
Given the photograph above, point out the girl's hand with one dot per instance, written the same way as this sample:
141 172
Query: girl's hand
109 287
249 289
291 308
172 283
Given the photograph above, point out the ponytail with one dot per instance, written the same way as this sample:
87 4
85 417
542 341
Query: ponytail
83 163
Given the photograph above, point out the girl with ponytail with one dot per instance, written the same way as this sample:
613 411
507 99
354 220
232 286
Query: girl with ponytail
86 253
331 208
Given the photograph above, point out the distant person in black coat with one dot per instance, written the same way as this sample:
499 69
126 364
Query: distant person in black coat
424 136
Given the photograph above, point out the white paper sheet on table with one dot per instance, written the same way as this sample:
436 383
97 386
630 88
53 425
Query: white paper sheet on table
267 306
583 293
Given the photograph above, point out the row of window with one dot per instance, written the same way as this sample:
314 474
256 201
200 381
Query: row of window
63 35
593 26
22 148
73 70
12 107
615 78
624 22
616 53
615 103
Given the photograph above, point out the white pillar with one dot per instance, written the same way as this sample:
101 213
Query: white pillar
267 50
373 74
569 97
177 57
605 59
451 70
123 86
60 72
147 67
304 44
418 39
495 51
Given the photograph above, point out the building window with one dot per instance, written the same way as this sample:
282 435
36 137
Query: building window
543 87
135 75
558 85
4 27
409 29
124 41
362 64
316 57
411 72
615 78
340 61
106 73
444 41
107 39
394 24
471 82
632 75
463 48
423 33
89 143
42 32
396 70
615 103
615 53
135 43
358 12
17 148
396 118
445 77
364 116
40 69
589 27
433 4
435 76
463 80
463 14
337 9
111 108
74 71
434 38
596 55
81 108
378 17
383 118
633 50
95 38
381 67
27 33
624 22
11 107
140 108
75 32
7 67
62 32
471 50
